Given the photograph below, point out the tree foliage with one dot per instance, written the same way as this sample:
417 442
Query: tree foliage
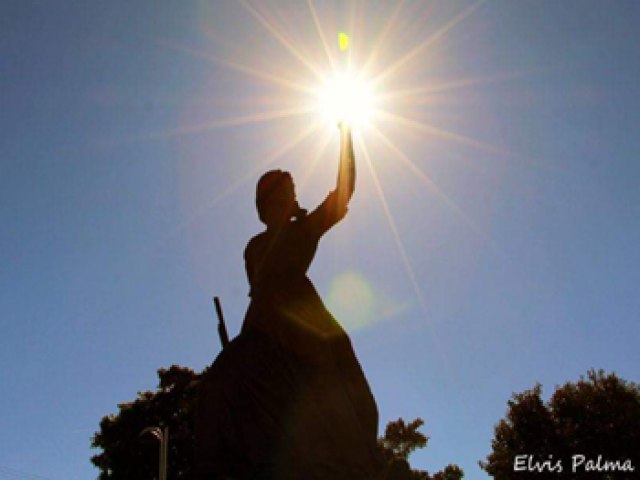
597 416
400 439
126 455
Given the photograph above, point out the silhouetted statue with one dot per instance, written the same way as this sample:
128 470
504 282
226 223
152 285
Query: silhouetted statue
287 398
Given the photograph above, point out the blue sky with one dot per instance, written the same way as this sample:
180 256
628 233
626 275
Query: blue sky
124 208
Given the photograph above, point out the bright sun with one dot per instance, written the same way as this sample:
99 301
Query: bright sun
346 97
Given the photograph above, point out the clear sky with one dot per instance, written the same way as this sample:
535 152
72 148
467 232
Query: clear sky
132 134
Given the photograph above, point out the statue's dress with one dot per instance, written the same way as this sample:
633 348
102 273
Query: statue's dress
287 399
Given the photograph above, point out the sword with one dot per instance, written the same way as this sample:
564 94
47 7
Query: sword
222 328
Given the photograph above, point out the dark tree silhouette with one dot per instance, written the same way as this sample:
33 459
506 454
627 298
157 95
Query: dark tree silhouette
126 455
400 439
597 417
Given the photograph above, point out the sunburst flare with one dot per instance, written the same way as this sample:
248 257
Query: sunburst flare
357 78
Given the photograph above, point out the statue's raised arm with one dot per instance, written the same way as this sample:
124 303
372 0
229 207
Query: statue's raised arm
334 207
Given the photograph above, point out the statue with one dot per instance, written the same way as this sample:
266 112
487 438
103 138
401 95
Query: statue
287 398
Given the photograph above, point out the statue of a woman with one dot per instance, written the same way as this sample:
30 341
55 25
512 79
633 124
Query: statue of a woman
287 399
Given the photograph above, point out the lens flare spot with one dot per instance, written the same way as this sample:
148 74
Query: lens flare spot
343 41
351 300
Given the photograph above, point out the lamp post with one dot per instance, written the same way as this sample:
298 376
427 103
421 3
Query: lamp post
163 438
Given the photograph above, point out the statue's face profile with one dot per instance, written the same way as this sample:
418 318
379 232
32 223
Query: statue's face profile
276 198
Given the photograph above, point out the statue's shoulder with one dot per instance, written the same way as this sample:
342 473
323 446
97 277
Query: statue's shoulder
255 245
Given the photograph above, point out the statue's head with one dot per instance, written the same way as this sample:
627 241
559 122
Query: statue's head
276 198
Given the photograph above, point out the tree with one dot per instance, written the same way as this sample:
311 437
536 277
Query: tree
596 419
126 455
398 442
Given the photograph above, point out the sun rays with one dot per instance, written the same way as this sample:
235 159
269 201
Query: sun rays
430 40
314 83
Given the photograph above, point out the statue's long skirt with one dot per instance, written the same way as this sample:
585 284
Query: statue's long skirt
286 402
